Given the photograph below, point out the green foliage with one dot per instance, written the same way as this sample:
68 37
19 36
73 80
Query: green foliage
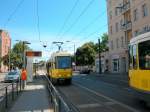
16 55
18 47
103 44
85 55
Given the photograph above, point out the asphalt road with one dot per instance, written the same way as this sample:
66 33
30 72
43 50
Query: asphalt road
93 93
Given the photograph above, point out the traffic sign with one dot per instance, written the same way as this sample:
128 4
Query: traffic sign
33 53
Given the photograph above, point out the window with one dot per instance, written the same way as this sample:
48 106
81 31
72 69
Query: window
116 11
144 55
136 33
115 65
121 41
121 23
117 27
135 13
120 5
111 30
110 2
126 40
117 40
110 14
63 62
134 57
144 10
130 57
112 46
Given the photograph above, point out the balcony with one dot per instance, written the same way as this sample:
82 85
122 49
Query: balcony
124 7
126 26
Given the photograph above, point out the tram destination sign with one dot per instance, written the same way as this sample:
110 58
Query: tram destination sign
33 53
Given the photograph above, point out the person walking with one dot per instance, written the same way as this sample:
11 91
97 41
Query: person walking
23 77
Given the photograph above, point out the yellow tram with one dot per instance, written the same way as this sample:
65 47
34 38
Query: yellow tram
139 66
59 67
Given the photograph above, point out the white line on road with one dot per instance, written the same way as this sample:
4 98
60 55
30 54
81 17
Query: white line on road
108 98
89 105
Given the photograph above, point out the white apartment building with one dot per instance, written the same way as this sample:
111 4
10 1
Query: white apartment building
126 20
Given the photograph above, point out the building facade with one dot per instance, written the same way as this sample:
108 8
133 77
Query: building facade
126 19
5 45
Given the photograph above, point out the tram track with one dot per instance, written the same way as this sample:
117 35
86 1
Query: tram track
70 103
83 99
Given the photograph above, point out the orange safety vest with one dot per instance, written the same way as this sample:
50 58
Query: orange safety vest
24 75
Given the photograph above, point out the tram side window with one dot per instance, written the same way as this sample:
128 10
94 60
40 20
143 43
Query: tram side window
134 48
144 55
130 57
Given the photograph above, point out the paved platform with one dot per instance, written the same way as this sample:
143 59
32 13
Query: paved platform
34 98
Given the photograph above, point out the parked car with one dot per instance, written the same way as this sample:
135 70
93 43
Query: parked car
85 71
12 76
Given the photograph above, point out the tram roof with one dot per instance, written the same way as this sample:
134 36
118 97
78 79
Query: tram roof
60 53
140 38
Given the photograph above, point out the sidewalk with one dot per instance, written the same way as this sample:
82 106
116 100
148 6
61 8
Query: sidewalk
34 98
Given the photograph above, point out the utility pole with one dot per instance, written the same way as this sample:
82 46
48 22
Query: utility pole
99 52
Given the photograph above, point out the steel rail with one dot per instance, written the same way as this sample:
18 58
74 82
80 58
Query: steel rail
57 98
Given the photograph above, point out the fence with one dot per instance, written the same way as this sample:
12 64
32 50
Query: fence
57 100
8 93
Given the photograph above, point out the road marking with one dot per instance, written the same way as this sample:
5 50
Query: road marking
108 98
89 105
109 103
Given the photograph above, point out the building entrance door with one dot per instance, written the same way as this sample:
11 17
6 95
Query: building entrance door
115 65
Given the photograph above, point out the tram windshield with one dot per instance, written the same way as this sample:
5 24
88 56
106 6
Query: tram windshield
144 55
63 62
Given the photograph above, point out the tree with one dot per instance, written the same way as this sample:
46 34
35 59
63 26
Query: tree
18 47
103 44
15 60
85 54
16 55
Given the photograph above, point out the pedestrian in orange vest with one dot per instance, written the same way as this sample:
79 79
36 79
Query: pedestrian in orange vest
23 77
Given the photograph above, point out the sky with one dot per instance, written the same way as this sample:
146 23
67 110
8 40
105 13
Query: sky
76 21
